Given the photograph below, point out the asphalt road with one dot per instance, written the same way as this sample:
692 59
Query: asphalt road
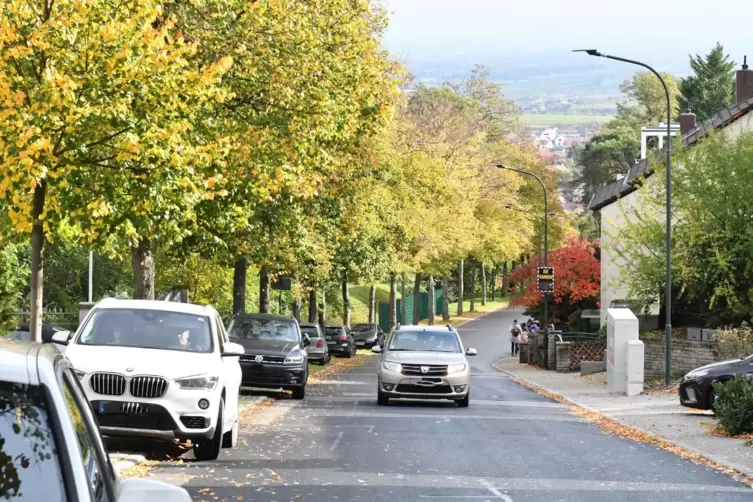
510 444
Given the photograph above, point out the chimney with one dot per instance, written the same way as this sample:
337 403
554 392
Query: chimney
687 122
744 82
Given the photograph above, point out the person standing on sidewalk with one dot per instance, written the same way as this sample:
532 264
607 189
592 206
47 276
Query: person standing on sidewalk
515 332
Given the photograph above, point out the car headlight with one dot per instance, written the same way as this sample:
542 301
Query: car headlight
388 365
79 374
293 360
455 368
201 382
696 374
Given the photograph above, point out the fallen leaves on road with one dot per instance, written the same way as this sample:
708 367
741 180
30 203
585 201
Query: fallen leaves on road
661 390
617 429
339 364
139 470
250 411
718 431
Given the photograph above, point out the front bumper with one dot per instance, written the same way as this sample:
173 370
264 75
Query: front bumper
396 385
273 376
694 393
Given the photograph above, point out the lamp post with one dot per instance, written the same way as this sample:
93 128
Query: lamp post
546 239
538 220
668 279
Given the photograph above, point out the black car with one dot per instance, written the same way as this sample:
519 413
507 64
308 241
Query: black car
340 341
275 352
21 332
367 335
696 389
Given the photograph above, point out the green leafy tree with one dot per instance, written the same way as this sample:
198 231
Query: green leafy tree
711 87
645 102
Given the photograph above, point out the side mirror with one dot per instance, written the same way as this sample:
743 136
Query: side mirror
306 340
61 337
137 490
232 349
470 352
376 349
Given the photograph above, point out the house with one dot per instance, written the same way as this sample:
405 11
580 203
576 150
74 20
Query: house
613 202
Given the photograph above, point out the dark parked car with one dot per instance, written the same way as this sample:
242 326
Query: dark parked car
367 335
21 332
340 341
275 352
696 389
317 350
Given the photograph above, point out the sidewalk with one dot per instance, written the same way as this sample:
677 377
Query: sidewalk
655 414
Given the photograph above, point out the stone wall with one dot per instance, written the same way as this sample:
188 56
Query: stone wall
686 356
563 356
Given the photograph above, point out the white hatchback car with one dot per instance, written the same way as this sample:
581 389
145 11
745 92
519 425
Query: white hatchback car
159 370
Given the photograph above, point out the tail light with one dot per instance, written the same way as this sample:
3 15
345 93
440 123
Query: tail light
319 344
342 337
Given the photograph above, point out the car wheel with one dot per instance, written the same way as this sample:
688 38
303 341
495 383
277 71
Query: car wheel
299 392
230 438
350 352
209 449
382 400
463 403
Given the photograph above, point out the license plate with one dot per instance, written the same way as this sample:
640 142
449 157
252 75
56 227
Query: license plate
360 344
328 338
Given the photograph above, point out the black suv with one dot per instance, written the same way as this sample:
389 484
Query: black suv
275 352
340 341
367 335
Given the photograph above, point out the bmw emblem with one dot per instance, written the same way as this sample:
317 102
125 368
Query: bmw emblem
129 370
259 359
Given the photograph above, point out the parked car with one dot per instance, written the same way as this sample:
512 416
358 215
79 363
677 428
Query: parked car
424 362
275 352
159 370
696 389
340 341
21 332
317 349
367 335
52 441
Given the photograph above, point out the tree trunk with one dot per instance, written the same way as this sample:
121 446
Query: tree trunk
297 309
37 263
417 299
494 282
472 308
505 284
143 270
239 285
372 304
460 287
483 284
393 300
403 306
312 306
264 290
445 299
431 300
323 311
346 301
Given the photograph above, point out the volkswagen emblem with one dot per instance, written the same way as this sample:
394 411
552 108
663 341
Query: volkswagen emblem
259 359
424 369
129 370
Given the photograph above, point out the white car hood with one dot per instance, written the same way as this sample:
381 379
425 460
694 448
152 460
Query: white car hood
170 364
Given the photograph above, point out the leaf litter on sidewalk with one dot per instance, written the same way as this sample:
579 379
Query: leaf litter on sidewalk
614 428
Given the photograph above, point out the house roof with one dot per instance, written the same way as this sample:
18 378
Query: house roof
721 119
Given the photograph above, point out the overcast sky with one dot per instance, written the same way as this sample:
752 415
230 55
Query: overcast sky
664 29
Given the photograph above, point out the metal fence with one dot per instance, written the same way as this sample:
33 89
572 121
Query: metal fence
67 319
384 310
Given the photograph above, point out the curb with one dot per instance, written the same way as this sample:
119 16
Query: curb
741 469
122 461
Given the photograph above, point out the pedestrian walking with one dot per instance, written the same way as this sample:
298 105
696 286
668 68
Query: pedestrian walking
515 332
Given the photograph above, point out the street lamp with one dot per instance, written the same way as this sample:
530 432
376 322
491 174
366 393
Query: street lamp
538 220
546 239
668 280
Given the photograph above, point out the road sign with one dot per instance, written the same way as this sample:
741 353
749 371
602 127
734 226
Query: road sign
545 280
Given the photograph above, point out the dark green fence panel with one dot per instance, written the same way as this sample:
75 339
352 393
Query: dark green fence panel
423 313
384 316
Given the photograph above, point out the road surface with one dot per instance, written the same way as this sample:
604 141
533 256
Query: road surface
510 444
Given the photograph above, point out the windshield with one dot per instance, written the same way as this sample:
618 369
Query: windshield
29 468
262 329
311 331
424 341
364 327
148 329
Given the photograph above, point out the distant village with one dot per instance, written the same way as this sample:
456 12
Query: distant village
557 144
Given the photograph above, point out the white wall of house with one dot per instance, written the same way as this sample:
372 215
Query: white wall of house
613 217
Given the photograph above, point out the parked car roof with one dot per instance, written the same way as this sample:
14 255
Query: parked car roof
16 357
268 317
185 308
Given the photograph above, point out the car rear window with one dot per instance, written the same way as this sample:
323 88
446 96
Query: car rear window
334 331
310 331
364 327
29 468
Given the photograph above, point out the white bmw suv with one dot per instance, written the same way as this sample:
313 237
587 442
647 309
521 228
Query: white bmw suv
159 370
